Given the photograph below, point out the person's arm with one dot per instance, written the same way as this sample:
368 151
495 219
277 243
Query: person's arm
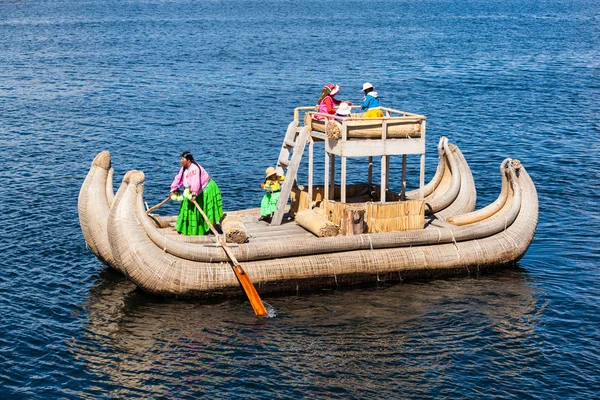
329 104
366 103
177 181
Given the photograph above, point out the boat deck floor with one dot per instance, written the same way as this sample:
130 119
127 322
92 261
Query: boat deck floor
257 230
262 231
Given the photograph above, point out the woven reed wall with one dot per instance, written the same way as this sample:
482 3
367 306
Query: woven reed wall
382 217
354 194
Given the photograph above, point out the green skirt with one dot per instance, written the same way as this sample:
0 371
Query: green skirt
268 205
190 222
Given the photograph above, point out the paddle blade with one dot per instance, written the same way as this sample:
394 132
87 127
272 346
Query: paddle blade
251 293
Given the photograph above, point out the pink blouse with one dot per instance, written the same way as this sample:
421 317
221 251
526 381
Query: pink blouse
194 177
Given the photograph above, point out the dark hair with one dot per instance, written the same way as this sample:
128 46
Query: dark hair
324 94
188 156
368 90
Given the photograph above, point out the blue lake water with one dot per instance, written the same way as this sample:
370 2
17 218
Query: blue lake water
149 79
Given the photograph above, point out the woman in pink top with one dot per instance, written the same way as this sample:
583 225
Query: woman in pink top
197 186
327 101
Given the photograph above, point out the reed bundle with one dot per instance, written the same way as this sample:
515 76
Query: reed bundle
234 229
358 127
315 223
333 129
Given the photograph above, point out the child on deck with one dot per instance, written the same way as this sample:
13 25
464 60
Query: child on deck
371 102
271 185
343 111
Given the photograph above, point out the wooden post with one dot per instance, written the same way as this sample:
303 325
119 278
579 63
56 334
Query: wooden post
383 177
387 171
343 183
332 176
343 171
384 163
353 221
311 152
403 191
326 178
370 170
422 176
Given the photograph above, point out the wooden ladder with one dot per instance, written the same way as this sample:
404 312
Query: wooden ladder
297 141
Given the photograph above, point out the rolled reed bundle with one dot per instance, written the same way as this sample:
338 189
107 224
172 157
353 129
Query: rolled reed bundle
371 128
234 229
314 124
333 129
315 223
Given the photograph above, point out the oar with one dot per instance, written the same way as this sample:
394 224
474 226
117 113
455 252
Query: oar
242 276
158 205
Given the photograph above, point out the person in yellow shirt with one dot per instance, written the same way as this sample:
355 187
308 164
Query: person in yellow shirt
272 187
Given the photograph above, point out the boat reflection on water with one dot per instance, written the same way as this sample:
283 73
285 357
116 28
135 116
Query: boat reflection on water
143 345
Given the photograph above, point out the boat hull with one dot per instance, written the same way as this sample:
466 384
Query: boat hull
166 265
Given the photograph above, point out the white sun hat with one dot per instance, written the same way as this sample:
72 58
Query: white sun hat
366 86
344 109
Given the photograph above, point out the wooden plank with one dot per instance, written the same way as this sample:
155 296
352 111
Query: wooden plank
326 178
370 175
280 235
332 175
284 153
422 174
375 147
343 183
286 187
311 154
403 190
383 186
273 230
267 239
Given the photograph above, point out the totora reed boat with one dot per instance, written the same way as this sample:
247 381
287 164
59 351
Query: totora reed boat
330 235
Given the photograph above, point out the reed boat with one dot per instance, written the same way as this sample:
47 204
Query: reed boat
440 234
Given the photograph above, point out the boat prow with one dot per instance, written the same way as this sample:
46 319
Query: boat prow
94 202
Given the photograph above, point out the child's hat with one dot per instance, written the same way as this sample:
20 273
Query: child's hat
366 86
344 109
270 171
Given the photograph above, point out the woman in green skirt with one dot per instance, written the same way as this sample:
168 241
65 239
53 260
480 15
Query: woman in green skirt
199 187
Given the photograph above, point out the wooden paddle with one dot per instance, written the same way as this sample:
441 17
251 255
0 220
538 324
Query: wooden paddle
158 205
242 276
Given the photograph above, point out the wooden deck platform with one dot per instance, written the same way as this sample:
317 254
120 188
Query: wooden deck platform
261 231
258 231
